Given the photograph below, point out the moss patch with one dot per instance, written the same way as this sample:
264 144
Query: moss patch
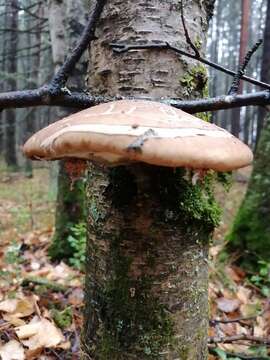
192 204
131 315
195 81
132 212
63 319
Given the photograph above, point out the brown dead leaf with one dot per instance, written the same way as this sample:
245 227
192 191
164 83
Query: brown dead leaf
18 308
13 320
215 250
228 305
241 329
228 329
76 297
65 345
40 333
12 350
236 348
249 310
243 294
33 354
235 273
259 331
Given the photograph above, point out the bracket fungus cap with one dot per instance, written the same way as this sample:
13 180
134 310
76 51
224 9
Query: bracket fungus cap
125 131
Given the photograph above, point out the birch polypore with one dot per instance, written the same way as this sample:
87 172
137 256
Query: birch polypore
127 131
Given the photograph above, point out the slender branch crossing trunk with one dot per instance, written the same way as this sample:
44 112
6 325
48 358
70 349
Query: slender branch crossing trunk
148 227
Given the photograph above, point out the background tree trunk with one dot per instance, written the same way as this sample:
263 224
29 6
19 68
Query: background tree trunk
265 69
66 24
11 69
250 234
146 271
252 220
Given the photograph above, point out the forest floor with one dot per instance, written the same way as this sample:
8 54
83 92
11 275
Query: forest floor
41 303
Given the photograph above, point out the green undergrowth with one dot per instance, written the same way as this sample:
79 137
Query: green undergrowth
28 203
77 241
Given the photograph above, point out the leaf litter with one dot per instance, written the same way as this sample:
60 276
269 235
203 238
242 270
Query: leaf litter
41 302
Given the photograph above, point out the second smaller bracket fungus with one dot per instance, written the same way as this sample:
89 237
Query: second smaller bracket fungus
128 131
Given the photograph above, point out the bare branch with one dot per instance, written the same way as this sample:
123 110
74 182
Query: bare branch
242 68
241 337
53 94
122 48
188 39
81 100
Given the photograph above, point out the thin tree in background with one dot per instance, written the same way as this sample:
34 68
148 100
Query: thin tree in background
67 21
250 234
11 42
265 69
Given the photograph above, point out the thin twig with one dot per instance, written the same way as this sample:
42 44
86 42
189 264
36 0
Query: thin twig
240 337
230 321
122 48
54 94
239 319
242 68
188 39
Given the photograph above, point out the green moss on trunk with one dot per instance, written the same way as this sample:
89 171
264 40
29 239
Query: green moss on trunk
148 238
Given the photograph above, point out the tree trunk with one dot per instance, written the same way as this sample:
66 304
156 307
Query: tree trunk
265 70
242 51
148 227
11 70
250 231
33 68
66 24
250 234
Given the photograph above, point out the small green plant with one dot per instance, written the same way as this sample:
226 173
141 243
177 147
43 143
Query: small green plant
262 279
13 255
63 319
77 241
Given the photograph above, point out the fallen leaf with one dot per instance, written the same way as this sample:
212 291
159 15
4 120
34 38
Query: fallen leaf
18 307
235 273
8 305
243 294
40 334
228 329
12 350
13 320
76 297
249 310
228 305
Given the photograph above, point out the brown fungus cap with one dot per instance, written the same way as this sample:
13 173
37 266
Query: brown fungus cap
126 131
